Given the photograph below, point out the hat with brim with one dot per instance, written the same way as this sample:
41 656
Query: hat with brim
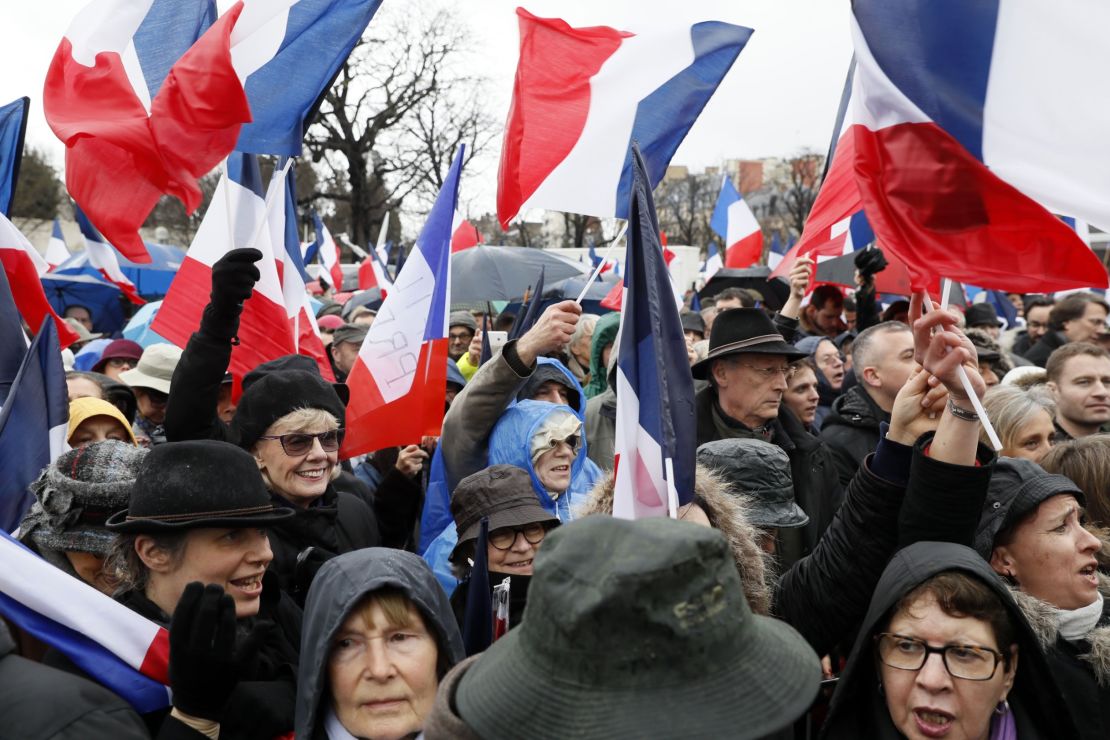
759 471
501 493
197 484
83 334
744 331
119 349
682 651
155 368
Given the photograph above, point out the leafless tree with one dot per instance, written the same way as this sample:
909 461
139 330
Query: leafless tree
684 206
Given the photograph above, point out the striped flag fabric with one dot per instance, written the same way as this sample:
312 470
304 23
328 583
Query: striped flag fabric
113 645
56 250
328 254
23 267
399 381
102 258
13 126
655 430
713 261
734 222
13 340
33 423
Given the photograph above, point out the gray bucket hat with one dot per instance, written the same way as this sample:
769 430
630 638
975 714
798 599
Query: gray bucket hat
75 495
504 494
762 471
1017 487
638 629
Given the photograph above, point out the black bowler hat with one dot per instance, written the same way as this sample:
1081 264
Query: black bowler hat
195 484
744 330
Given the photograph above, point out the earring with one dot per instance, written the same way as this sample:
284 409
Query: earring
1003 708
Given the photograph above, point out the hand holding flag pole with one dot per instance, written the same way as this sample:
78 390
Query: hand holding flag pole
601 264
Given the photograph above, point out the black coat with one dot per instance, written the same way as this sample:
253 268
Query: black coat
1090 702
858 709
1045 346
851 430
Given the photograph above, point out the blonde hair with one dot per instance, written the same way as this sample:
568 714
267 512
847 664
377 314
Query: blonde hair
1009 408
297 420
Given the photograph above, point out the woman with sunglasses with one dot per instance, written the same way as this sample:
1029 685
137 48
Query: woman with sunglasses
292 423
945 651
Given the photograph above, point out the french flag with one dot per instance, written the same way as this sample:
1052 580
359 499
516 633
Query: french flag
464 234
56 250
964 138
102 257
582 95
23 266
372 273
142 109
655 435
239 210
399 381
734 222
113 645
329 255
33 422
713 261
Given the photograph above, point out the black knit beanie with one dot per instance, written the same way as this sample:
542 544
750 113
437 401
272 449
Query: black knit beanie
273 396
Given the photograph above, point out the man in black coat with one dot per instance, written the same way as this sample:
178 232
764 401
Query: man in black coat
882 360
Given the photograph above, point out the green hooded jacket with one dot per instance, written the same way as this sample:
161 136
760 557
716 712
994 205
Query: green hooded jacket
605 333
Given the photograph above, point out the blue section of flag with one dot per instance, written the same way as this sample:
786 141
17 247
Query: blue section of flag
652 354
286 91
944 65
529 313
142 693
13 125
695 302
860 229
313 248
292 239
719 220
56 233
776 244
434 244
13 342
665 116
1002 306
595 259
167 32
243 169
38 402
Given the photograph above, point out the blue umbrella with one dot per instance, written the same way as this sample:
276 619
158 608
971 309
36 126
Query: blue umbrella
138 328
100 298
151 279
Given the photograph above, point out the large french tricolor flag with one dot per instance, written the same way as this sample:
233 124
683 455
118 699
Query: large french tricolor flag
399 381
583 95
102 257
328 254
33 422
734 222
655 435
112 644
23 266
969 120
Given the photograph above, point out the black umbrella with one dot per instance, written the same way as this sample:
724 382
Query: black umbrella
892 281
371 298
570 288
774 292
486 273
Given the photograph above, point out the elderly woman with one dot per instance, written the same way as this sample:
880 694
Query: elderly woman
199 512
1031 531
292 423
94 420
378 637
1023 420
74 496
945 652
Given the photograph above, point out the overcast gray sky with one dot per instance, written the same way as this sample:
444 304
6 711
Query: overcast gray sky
779 97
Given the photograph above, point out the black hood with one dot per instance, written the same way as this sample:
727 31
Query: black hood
338 587
854 408
857 709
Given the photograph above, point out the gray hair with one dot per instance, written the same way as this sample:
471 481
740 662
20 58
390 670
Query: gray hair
863 349
586 323
1009 407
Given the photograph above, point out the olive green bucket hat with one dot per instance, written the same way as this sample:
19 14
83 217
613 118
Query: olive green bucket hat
638 629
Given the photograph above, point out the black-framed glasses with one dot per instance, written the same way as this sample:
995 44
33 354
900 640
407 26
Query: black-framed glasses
969 662
503 538
296 444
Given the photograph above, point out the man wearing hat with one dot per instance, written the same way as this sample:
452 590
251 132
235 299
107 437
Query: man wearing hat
983 316
748 371
84 336
461 328
150 380
346 341
117 357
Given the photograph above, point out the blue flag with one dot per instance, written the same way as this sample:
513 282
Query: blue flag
477 629
13 342
656 436
33 424
13 125
1002 307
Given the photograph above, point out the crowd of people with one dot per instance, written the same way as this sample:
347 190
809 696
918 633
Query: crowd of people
855 559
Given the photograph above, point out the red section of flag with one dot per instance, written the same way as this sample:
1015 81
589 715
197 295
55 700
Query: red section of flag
465 236
945 214
613 300
119 160
128 289
366 278
551 99
156 662
28 294
373 424
745 252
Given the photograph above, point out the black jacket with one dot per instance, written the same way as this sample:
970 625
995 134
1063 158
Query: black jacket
1045 346
816 488
851 430
1088 697
858 709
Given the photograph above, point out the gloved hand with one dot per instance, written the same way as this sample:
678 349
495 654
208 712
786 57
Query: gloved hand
870 261
233 279
204 664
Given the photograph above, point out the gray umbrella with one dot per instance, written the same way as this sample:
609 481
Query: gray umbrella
503 273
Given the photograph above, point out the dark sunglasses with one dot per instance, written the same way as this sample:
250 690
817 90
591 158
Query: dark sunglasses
296 444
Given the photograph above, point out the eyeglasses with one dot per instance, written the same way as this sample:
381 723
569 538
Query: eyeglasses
572 441
504 537
460 336
767 373
299 443
121 362
969 662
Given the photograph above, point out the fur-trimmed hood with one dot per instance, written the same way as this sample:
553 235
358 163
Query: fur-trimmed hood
726 510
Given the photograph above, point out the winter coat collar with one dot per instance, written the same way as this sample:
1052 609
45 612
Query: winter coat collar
856 408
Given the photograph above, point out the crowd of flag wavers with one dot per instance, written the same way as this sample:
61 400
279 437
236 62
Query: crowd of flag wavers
855 559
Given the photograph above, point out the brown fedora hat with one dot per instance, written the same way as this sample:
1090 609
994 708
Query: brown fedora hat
744 330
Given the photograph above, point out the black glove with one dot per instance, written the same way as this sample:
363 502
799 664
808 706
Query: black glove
233 279
870 261
204 664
